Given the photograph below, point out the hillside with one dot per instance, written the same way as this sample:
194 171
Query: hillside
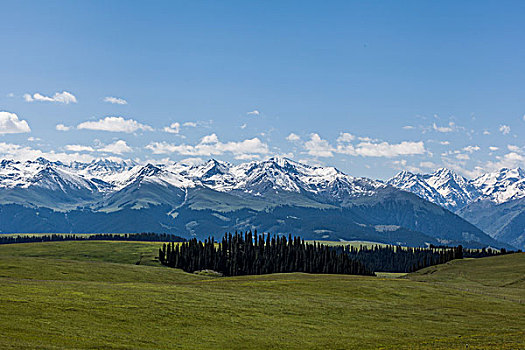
505 222
277 195
93 295
493 201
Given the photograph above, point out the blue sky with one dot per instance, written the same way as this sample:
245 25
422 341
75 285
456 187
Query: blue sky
368 87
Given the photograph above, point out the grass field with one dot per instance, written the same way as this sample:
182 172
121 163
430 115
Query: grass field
69 295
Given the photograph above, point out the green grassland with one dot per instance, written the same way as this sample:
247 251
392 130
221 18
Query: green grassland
86 295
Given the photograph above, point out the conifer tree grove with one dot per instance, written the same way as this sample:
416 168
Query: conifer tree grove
250 254
401 259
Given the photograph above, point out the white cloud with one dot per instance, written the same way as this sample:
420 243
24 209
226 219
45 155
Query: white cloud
247 156
385 149
13 95
321 148
174 128
293 137
493 148
210 139
14 151
504 129
486 132
458 166
162 147
345 137
33 139
448 128
254 112
115 100
509 160
210 145
403 164
408 127
192 161
62 127
471 149
79 148
10 124
190 124
61 97
117 147
428 165
462 156
115 124
514 148
348 149
244 126
318 147
445 143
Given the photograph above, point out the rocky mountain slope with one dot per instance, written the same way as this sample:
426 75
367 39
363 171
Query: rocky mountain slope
494 201
277 195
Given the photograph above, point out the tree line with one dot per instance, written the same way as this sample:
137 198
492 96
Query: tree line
407 259
252 254
401 259
144 236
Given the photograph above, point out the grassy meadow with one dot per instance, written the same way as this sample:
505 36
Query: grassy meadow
115 295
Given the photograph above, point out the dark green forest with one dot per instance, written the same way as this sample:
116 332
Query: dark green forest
253 254
144 237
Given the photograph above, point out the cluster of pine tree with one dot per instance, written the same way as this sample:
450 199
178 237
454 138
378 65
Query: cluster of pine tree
252 254
145 236
401 259
482 253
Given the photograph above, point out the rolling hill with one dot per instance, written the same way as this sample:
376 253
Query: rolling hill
64 295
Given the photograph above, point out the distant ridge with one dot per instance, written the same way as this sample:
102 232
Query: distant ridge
277 195
495 202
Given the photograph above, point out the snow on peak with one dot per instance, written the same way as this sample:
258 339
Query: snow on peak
274 175
448 189
503 185
417 184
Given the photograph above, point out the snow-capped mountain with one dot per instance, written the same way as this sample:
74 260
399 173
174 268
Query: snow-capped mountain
42 183
453 188
102 178
416 183
448 189
278 195
280 175
495 202
100 181
501 186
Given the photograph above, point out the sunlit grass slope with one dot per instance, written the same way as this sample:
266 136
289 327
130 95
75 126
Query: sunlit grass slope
124 252
64 295
499 276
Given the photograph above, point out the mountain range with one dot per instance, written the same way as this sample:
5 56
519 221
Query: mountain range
494 202
277 195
